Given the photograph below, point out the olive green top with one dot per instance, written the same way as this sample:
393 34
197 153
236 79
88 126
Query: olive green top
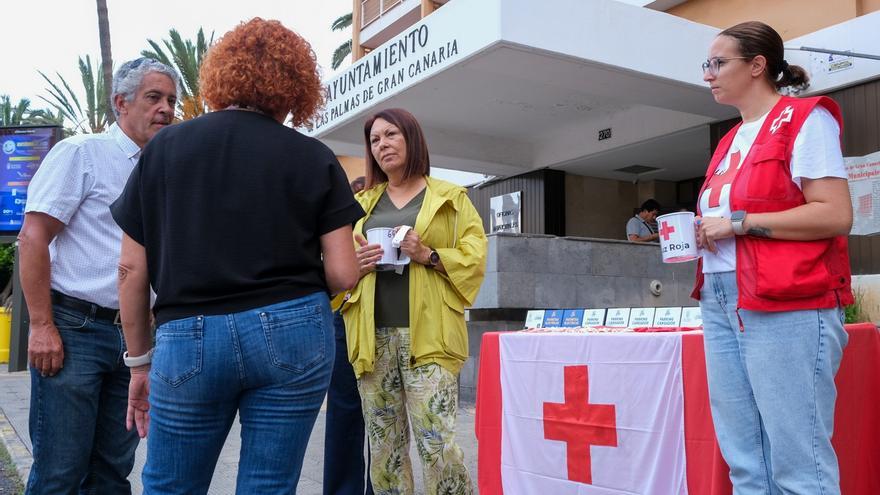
392 290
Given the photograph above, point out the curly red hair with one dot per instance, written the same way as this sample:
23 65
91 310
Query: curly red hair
264 65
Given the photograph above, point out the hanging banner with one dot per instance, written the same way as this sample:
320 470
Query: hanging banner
506 213
863 173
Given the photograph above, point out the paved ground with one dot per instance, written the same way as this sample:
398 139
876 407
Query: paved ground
14 400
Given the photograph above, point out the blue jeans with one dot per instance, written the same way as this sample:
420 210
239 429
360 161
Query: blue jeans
77 417
271 365
772 393
344 466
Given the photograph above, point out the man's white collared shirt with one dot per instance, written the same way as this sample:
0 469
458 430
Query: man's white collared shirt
76 183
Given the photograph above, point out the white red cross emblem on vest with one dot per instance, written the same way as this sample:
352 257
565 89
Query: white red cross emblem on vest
784 117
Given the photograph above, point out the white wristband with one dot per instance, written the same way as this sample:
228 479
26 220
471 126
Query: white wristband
133 362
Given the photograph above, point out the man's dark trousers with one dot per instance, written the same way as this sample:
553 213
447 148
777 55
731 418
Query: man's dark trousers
344 466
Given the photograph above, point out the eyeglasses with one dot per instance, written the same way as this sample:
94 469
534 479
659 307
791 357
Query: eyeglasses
713 65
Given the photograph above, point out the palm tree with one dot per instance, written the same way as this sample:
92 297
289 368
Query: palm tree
106 57
13 115
344 50
22 114
187 57
45 116
92 118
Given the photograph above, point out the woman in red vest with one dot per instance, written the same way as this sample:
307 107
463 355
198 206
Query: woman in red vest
774 214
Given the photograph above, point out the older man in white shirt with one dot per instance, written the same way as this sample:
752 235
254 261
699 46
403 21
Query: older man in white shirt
69 246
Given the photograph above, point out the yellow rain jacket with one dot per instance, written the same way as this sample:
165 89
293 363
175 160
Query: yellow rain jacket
448 223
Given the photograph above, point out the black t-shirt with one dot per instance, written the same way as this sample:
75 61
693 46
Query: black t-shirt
230 208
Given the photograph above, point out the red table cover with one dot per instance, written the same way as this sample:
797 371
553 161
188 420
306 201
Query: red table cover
856 419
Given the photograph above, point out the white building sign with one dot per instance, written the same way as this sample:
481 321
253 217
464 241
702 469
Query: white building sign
505 212
424 49
863 173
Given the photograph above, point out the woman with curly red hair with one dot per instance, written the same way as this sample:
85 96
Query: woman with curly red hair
242 226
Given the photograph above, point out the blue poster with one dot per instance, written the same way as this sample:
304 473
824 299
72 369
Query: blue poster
22 150
552 318
572 318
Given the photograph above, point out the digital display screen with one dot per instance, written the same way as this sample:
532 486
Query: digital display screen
22 150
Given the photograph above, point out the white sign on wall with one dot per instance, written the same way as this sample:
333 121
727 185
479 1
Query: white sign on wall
667 317
691 317
863 173
505 212
594 318
830 63
433 44
534 318
617 317
641 317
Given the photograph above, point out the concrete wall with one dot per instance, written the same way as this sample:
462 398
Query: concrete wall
537 272
354 166
481 321
791 18
600 208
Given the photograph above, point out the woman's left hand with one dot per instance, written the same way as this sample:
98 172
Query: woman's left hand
412 246
711 229
138 414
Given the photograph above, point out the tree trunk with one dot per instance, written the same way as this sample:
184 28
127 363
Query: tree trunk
106 57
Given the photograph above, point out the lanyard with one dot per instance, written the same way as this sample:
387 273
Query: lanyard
647 225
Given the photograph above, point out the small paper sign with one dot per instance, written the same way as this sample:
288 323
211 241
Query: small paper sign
617 317
594 318
641 317
535 318
572 318
691 317
667 317
552 318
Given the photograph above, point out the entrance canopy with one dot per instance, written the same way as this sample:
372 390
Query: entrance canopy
507 86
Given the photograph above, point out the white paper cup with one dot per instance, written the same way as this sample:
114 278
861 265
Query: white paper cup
678 240
391 256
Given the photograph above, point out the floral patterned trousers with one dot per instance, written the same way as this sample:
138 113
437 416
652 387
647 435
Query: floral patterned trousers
396 395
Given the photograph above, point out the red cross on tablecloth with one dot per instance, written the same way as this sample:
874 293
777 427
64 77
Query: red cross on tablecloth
579 424
717 182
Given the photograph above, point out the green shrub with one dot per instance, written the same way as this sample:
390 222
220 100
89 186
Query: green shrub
7 257
854 313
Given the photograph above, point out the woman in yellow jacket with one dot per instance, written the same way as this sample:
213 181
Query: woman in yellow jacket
406 333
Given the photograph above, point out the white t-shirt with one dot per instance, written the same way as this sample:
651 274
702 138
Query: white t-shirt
816 154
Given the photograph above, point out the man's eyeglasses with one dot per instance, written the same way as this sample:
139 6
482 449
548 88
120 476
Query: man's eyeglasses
713 65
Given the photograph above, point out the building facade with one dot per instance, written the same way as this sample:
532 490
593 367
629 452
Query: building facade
587 108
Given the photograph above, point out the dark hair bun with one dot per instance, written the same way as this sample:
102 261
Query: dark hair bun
793 76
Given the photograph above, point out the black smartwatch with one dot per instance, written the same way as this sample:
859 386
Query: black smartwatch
433 259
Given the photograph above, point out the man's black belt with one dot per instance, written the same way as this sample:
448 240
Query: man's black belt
93 311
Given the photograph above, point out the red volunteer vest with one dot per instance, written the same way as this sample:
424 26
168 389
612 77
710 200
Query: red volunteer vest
772 274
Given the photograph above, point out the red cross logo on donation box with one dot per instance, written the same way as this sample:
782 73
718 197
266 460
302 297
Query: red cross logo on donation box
579 424
665 230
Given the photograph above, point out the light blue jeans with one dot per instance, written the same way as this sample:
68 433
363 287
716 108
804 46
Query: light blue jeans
271 365
771 388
